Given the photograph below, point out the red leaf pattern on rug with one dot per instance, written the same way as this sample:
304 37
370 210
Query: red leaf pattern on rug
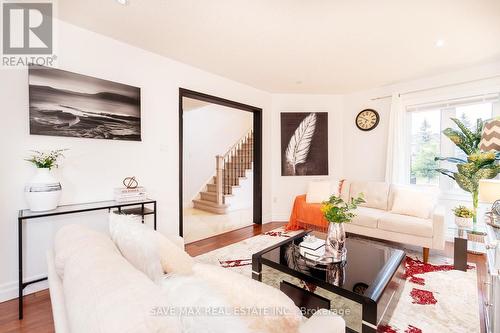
417 280
235 263
389 329
415 266
276 234
386 329
423 297
413 329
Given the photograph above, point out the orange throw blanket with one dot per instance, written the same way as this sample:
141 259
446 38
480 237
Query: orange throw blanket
306 216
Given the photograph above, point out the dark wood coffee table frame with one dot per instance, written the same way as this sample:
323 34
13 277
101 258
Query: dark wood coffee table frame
379 299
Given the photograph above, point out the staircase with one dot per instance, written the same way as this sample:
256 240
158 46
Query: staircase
232 169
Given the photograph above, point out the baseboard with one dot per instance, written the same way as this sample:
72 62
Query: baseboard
10 290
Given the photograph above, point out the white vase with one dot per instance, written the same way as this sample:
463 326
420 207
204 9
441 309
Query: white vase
43 191
463 222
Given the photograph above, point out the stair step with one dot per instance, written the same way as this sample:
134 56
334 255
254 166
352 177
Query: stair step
209 206
211 188
209 196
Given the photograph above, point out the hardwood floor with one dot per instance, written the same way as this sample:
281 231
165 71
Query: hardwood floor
37 315
38 312
215 242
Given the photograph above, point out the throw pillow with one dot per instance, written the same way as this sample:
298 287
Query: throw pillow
319 191
72 239
413 202
147 250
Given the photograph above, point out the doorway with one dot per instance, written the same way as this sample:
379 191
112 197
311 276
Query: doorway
220 165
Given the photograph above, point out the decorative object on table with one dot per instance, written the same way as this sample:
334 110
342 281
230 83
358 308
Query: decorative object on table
337 212
43 191
69 104
131 192
479 165
130 182
367 119
130 195
312 248
304 143
490 140
463 216
489 192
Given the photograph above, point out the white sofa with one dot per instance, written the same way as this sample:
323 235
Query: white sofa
403 214
94 288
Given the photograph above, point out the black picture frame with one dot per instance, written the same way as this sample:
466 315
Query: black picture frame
294 129
68 104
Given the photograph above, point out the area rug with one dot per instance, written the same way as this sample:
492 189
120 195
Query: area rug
435 298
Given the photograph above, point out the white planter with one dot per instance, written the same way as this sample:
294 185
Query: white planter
43 191
463 222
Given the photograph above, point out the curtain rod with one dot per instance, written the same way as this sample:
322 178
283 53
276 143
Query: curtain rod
438 87
451 100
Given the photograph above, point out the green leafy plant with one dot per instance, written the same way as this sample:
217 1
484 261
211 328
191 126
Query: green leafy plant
45 159
462 211
336 210
479 165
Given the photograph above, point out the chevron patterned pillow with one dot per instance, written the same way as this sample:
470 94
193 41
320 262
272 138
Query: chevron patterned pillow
490 139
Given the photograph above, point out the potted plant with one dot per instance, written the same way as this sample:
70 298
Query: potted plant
44 191
478 165
337 212
463 216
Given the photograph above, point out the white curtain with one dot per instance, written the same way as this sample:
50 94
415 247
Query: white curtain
397 164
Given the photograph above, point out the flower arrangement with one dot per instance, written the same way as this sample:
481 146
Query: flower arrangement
336 210
464 212
46 160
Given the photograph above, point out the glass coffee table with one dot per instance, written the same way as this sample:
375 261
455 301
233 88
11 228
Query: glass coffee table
363 290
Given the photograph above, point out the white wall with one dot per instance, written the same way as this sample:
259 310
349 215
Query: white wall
94 167
285 188
208 131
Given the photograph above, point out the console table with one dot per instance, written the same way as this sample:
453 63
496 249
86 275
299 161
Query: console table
134 207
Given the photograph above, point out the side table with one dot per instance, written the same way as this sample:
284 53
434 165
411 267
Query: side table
135 207
466 242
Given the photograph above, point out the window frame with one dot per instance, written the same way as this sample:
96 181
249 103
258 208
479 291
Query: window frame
446 147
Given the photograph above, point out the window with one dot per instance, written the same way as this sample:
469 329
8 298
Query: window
427 141
425 146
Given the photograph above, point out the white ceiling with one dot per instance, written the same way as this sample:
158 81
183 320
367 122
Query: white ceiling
304 46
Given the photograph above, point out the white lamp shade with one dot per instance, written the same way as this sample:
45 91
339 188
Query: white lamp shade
489 190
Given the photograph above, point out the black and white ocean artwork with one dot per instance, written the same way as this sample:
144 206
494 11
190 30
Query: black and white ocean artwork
69 104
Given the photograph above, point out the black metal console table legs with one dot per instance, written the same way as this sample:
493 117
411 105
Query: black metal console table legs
26 214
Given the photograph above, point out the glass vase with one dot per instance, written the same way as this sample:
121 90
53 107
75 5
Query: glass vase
335 242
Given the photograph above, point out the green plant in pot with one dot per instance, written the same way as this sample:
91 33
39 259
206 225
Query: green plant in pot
478 165
337 212
463 216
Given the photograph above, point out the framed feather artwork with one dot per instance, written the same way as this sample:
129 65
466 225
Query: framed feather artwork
304 143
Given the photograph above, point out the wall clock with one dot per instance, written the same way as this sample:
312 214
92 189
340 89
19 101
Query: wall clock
367 119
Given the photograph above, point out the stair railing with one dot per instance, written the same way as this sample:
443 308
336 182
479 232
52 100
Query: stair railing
232 165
